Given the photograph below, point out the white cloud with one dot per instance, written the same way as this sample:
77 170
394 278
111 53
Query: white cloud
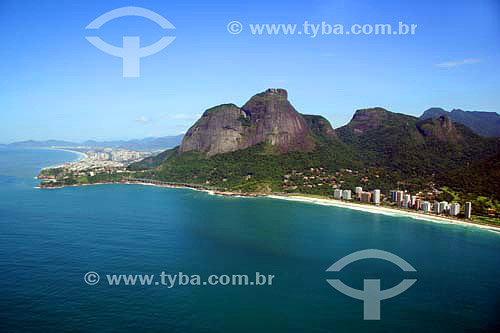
143 120
459 62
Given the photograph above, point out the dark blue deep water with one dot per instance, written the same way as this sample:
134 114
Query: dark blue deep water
50 238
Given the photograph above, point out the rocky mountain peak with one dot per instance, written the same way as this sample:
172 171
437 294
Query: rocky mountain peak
367 119
267 117
277 91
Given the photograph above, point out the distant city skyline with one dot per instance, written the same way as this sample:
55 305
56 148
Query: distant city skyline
56 85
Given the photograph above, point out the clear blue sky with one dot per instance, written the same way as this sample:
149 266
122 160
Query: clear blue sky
56 85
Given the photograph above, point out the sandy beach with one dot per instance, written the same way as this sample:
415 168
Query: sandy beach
82 155
384 210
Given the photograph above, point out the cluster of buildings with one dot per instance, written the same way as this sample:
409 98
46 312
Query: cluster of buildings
117 155
406 200
88 164
96 161
81 168
359 194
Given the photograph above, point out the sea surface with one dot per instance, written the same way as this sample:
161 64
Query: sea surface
49 239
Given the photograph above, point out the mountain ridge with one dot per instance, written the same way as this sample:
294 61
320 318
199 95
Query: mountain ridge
389 149
150 143
483 123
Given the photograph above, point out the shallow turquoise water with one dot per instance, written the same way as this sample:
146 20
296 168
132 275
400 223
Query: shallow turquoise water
50 238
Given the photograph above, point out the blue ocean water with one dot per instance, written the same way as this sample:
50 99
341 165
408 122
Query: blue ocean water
49 239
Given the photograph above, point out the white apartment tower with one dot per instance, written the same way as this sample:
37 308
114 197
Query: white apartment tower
357 192
413 200
454 209
468 210
376 197
407 201
426 206
443 206
436 207
346 194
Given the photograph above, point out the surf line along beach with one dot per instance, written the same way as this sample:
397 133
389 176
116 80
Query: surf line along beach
384 210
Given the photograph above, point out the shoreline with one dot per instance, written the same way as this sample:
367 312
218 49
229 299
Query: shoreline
324 202
81 156
385 211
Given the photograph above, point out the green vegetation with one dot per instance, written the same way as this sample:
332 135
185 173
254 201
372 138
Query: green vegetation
377 149
51 173
247 170
448 195
72 179
486 220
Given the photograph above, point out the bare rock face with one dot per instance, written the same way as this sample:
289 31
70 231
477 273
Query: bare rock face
219 130
367 119
441 128
274 120
266 117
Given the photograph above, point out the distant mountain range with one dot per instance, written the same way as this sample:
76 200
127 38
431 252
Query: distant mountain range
253 147
483 123
152 143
